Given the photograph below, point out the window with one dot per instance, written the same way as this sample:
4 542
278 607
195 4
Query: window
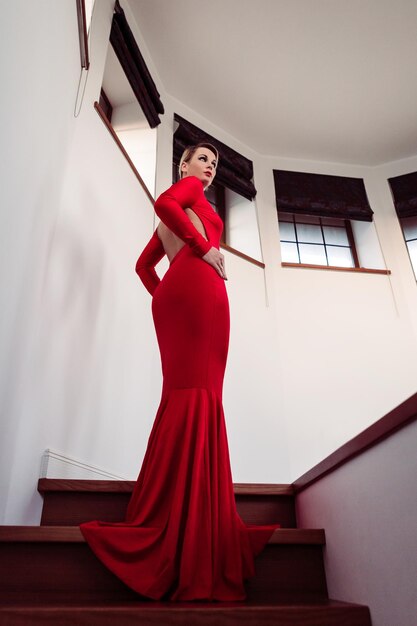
404 192
128 120
311 240
240 232
409 226
321 220
129 100
215 194
231 194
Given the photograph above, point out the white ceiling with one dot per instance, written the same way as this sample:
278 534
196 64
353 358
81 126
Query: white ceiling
328 80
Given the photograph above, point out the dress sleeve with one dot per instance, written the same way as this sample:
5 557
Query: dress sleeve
170 209
145 265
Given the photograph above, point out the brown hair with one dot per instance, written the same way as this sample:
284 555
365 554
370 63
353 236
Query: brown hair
189 152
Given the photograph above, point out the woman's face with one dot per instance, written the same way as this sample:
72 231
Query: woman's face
202 164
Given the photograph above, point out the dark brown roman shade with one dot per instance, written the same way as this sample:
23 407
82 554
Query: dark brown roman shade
234 170
322 195
134 66
404 191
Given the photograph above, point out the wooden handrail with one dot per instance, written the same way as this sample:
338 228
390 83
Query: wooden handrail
393 421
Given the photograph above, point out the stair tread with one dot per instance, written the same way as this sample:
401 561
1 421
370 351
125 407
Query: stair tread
72 534
126 486
153 605
72 502
326 613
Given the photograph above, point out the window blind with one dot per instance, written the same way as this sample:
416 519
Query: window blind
321 195
234 170
135 68
404 192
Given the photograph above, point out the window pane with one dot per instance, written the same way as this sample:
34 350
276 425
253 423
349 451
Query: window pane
289 253
335 236
286 231
409 225
309 234
314 255
242 231
340 257
412 249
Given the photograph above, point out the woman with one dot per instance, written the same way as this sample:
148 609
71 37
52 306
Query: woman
182 538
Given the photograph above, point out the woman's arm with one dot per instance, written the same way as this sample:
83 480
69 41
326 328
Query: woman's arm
170 209
145 265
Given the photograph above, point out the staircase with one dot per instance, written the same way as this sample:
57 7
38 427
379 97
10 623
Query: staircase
48 575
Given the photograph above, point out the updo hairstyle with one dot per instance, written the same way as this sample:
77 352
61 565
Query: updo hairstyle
189 152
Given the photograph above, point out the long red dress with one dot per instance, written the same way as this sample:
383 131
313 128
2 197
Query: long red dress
183 538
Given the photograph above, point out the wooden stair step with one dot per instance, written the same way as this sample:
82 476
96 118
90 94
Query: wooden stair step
72 534
328 613
72 484
52 560
68 501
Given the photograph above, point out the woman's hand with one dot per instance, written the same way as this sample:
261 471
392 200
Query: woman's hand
216 259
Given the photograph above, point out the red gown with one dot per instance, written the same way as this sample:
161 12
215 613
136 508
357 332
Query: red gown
182 538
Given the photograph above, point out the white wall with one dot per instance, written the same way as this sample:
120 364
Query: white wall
80 369
86 380
369 509
315 356
347 341
140 144
40 67
324 354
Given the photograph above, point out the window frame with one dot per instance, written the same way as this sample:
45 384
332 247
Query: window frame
221 210
345 225
336 268
105 105
402 220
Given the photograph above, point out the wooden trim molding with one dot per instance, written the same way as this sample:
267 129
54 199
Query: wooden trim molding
256 489
40 534
352 244
357 270
393 421
122 149
105 105
82 33
77 485
242 255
